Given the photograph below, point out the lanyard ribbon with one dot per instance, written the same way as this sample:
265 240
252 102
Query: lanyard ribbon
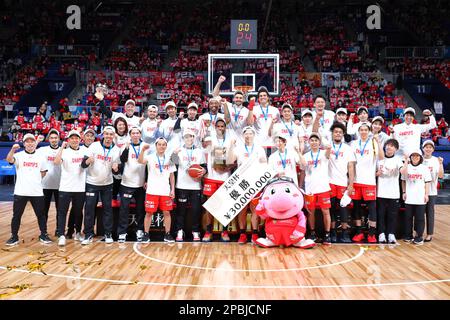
361 150
249 153
138 151
292 129
317 158
159 163
283 161
337 151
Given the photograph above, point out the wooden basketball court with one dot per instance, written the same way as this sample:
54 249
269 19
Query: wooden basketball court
220 270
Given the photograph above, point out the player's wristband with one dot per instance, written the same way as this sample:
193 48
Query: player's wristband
251 104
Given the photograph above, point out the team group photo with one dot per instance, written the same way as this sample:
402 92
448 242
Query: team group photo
222 150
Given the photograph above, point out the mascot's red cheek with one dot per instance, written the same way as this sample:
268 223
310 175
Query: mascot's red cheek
266 198
295 195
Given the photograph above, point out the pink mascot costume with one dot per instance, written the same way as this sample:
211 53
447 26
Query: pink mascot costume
281 206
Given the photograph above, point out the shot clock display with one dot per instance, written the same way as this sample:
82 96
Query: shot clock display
244 34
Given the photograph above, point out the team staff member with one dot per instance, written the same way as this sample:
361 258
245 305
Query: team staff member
341 170
50 182
72 226
102 160
132 184
241 152
261 117
188 189
216 148
73 184
160 188
317 185
367 151
416 179
436 167
377 125
363 117
388 192
30 169
408 134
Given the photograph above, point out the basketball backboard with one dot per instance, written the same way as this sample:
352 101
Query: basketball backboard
245 72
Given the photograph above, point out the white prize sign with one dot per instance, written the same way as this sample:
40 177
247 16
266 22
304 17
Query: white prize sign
243 185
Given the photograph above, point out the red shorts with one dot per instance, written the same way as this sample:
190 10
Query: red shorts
322 200
152 203
363 191
337 191
210 186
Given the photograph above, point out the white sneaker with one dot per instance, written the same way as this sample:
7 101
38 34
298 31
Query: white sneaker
122 238
139 235
78 237
381 238
391 238
87 240
108 238
180 235
196 236
62 241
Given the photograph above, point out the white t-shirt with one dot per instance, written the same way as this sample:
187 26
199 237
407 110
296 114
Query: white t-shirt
338 166
388 186
408 136
158 180
224 146
263 119
415 184
53 176
121 141
238 120
433 165
132 121
149 130
133 175
99 173
285 163
305 132
327 119
243 153
316 179
73 176
188 157
208 117
290 130
28 170
366 163
166 131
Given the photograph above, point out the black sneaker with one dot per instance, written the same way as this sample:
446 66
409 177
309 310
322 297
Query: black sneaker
168 237
345 236
14 240
327 238
418 240
145 238
44 238
408 239
313 236
333 236
69 234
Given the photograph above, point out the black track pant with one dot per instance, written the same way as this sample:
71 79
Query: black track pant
116 187
416 212
387 211
429 212
48 193
73 225
20 202
337 210
183 198
371 206
65 198
92 193
126 193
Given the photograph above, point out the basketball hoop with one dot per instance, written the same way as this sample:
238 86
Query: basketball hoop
243 88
